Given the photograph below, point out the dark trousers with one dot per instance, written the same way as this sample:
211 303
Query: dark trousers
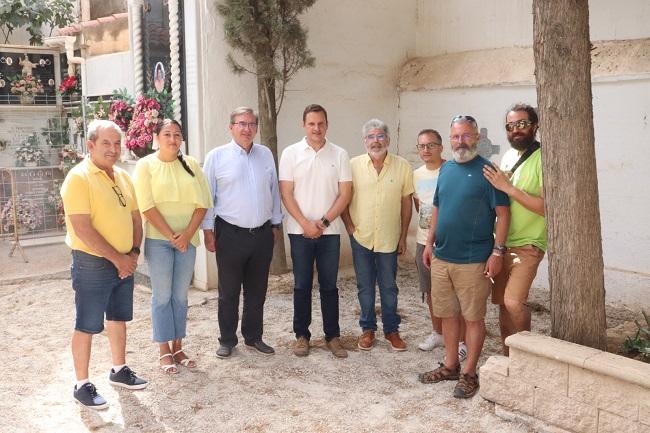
325 251
243 258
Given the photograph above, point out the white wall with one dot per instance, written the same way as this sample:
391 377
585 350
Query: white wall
465 25
109 72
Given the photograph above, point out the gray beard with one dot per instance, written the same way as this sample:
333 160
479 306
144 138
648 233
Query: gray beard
462 156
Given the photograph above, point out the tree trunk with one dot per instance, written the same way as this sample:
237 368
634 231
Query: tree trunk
563 72
268 135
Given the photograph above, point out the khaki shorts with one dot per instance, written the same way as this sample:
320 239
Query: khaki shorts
519 269
458 289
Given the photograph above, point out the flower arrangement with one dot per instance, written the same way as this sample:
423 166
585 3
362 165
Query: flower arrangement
26 85
28 214
139 135
121 113
69 86
29 152
55 203
69 158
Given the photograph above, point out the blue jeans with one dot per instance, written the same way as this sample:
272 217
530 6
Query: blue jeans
325 250
98 290
171 274
376 268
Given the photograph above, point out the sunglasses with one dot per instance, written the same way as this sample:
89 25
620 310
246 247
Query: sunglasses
120 196
519 124
463 118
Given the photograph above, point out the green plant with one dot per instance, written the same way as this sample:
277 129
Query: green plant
640 344
30 151
33 14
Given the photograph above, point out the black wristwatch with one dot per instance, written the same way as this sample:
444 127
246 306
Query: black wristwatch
276 226
135 250
325 222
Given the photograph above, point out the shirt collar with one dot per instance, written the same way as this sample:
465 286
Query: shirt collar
387 160
306 146
240 149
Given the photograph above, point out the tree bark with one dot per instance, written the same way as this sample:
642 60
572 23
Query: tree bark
563 72
268 135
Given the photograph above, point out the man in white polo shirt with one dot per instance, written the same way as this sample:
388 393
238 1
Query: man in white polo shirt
316 186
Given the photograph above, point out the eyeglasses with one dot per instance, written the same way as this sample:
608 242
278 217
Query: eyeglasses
422 146
464 137
120 196
379 137
463 118
519 124
244 125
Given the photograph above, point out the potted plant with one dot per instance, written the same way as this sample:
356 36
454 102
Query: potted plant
27 86
29 153
29 216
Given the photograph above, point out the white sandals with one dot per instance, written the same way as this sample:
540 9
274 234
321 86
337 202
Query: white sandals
187 362
168 368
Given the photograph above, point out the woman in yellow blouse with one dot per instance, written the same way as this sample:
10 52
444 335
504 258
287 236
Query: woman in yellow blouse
173 195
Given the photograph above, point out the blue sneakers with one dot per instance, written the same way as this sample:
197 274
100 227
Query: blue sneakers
88 396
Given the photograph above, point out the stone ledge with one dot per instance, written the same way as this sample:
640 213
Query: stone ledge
605 363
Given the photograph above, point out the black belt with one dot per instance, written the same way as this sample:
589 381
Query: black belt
251 230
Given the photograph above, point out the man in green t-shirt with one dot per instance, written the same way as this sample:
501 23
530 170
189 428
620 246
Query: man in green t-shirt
526 241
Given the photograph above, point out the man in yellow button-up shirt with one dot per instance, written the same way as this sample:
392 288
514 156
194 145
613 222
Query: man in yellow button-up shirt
377 221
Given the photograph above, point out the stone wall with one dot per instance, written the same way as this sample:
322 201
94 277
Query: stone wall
557 386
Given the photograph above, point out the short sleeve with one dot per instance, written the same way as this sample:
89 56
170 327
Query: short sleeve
143 185
345 174
407 187
205 197
285 167
75 194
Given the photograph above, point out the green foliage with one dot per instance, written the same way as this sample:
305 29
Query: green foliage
640 344
268 34
165 100
33 14
123 95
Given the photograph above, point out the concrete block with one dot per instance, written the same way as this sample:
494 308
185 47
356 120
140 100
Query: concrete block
535 424
564 412
605 392
496 364
644 412
539 371
610 423
516 395
552 348
623 368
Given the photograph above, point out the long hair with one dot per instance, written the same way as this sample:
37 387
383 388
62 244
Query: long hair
167 122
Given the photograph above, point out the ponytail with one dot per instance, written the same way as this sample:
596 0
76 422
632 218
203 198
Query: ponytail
184 163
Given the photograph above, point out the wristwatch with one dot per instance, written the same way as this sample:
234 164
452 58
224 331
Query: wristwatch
276 226
135 250
501 248
325 222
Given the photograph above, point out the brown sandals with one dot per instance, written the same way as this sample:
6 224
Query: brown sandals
439 374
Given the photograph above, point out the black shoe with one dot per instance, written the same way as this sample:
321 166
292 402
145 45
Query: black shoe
126 378
87 396
224 351
261 347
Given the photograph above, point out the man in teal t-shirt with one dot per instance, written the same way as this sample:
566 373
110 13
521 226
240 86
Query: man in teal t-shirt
526 241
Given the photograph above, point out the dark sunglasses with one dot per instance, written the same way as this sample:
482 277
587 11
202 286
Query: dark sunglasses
519 124
463 118
120 196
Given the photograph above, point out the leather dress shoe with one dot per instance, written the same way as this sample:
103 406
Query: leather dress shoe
366 340
261 347
224 351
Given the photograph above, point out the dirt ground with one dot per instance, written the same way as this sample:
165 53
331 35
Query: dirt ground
367 392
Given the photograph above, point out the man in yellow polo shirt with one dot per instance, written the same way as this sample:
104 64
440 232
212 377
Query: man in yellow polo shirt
377 221
104 232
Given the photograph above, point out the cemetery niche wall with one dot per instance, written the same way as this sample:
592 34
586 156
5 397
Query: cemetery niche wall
40 139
